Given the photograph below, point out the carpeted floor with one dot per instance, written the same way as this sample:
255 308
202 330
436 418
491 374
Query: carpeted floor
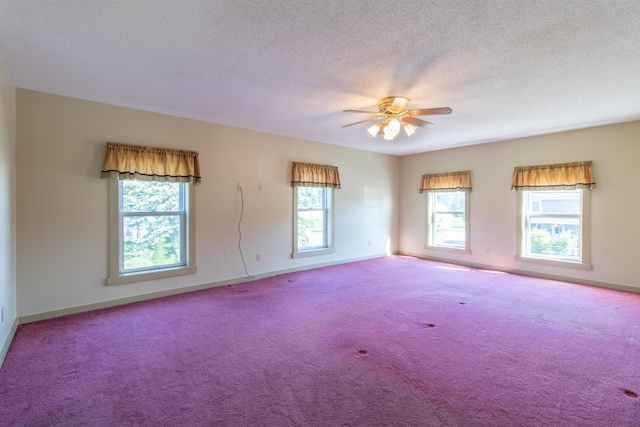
395 341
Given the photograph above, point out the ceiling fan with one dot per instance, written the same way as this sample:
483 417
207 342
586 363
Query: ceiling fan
394 116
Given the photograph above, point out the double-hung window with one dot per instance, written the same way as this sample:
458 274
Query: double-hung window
313 201
153 225
447 225
151 221
447 219
553 214
314 220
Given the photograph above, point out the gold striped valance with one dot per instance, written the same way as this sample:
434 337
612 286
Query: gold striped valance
311 175
125 161
451 181
562 176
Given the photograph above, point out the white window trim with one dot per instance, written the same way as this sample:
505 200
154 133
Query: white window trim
116 277
330 234
467 247
584 264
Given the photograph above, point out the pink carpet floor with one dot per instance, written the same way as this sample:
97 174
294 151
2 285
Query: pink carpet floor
395 341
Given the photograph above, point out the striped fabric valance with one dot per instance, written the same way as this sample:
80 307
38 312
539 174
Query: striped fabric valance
312 175
451 181
562 176
125 161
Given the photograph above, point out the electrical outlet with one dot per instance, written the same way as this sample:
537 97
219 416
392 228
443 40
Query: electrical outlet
239 186
259 186
258 257
2 315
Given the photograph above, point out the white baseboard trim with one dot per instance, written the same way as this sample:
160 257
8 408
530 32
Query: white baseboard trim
595 283
112 303
7 343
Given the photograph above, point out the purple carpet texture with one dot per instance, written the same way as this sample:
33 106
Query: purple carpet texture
394 341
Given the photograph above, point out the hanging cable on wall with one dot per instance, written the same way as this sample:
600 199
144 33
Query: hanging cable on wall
240 233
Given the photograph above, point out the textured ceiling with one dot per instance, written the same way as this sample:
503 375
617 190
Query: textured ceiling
507 68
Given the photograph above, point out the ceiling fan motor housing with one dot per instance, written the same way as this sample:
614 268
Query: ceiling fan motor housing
386 104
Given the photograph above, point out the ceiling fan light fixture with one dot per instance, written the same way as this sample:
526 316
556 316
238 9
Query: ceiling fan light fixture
409 129
394 124
394 117
390 131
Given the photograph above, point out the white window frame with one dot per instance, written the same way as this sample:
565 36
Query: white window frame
116 244
585 235
430 223
328 246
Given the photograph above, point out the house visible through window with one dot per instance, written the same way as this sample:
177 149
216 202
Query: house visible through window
447 219
553 224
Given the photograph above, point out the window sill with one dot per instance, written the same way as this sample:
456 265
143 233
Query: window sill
151 275
555 263
313 252
446 249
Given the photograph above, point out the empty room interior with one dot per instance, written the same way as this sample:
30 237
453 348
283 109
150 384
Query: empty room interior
437 164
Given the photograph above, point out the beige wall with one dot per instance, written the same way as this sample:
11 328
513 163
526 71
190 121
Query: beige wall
7 207
62 218
615 231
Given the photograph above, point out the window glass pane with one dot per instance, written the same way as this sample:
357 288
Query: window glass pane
148 196
448 202
151 241
553 226
448 222
311 232
449 230
311 197
555 202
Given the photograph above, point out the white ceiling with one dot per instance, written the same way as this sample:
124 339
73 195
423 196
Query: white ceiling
507 68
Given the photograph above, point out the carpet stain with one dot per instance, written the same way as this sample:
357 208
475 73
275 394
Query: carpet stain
430 325
362 351
629 393
462 303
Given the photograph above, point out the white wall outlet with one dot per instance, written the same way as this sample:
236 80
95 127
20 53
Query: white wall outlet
258 257
259 186
239 185
2 316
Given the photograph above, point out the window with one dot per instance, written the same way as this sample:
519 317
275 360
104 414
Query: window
313 187
151 235
554 213
314 221
151 232
553 227
151 211
447 220
447 210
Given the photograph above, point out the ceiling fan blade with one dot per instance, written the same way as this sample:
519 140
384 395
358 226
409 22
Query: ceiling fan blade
429 111
398 104
362 121
360 111
417 122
